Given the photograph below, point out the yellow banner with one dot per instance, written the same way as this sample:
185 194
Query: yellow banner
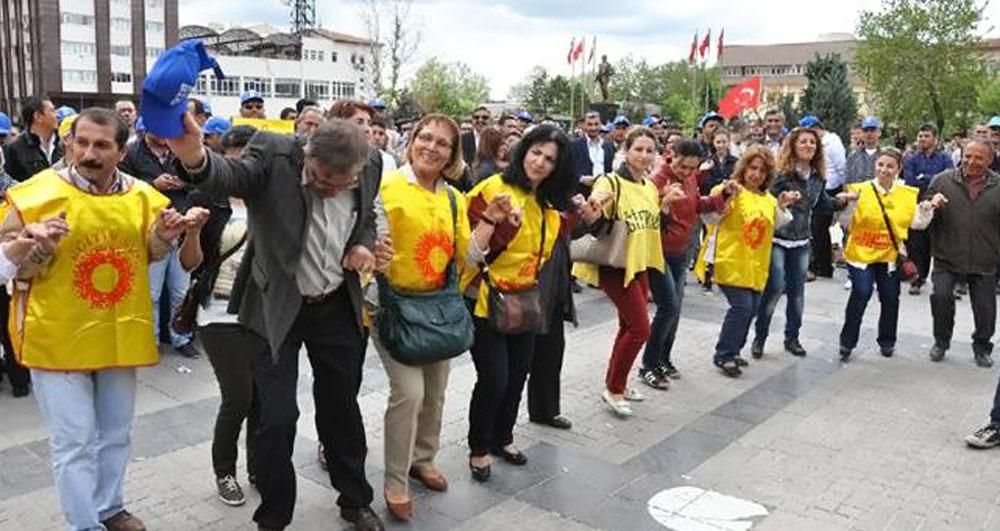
286 127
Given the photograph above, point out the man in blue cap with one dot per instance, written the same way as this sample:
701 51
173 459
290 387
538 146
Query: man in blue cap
64 112
37 147
5 128
213 130
252 105
619 126
709 124
861 163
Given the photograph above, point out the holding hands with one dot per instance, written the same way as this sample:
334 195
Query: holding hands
593 209
669 195
384 253
37 241
934 203
501 208
788 197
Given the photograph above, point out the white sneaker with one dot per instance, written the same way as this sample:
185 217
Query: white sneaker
634 396
847 286
618 407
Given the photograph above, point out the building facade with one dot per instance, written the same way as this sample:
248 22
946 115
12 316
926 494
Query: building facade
81 52
319 64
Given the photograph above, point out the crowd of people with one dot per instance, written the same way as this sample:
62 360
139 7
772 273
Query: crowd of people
438 238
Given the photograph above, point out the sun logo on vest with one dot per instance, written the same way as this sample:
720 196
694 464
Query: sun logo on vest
103 275
754 232
433 251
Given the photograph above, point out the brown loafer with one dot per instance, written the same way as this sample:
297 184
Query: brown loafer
123 521
400 511
436 483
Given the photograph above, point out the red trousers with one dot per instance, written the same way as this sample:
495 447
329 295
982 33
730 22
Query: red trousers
633 323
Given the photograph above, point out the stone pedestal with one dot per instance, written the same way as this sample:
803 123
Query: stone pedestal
608 110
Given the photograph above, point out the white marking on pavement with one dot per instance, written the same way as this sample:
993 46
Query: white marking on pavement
695 509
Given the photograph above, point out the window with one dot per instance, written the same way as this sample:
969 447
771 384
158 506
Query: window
121 24
319 56
119 49
229 86
343 89
260 84
84 49
154 27
317 90
287 88
153 51
80 76
333 57
77 18
155 4
121 77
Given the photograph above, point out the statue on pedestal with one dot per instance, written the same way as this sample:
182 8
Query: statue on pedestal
604 73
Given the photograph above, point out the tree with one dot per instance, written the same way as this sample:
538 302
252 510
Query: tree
786 104
920 59
403 39
989 97
449 88
547 95
669 85
829 95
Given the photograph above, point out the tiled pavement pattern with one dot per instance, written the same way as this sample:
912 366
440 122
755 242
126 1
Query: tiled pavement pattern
873 445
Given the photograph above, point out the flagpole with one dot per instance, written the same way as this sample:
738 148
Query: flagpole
572 86
583 79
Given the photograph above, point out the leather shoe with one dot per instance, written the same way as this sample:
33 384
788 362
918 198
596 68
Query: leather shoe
123 521
559 422
364 519
436 483
400 511
480 473
515 458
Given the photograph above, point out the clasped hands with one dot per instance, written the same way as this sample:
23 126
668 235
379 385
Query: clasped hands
37 241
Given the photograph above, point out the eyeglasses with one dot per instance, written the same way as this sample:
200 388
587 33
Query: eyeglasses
438 142
481 117
253 106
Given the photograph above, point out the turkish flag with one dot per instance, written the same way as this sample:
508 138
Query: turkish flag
705 43
694 48
578 51
569 55
744 96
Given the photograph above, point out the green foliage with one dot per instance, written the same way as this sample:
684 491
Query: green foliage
449 88
921 61
989 97
829 95
550 95
786 104
668 85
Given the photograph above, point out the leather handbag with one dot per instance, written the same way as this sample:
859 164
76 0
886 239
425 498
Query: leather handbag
607 244
422 328
184 319
516 312
905 267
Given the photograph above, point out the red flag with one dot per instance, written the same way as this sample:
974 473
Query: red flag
744 96
694 48
572 46
718 47
703 49
578 51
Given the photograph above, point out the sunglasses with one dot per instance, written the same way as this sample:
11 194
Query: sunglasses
253 106
481 117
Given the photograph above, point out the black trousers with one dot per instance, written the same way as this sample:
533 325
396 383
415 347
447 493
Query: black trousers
502 362
232 349
336 349
918 247
19 376
821 259
546 366
982 296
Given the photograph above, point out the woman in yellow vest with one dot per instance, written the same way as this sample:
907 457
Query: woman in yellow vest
516 220
738 249
872 250
429 229
634 197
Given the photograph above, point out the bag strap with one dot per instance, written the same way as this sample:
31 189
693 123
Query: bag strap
453 203
541 246
885 217
232 250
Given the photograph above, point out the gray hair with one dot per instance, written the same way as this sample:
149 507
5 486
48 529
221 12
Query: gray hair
339 145
312 108
592 114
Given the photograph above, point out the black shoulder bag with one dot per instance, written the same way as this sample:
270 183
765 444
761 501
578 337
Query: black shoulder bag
516 312
906 268
187 313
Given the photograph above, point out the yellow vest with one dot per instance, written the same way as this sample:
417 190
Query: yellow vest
742 243
516 268
91 308
639 208
868 239
422 232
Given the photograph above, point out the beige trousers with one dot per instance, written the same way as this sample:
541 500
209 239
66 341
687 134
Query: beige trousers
412 417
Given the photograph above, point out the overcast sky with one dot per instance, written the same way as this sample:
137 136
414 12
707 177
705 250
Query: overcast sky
503 40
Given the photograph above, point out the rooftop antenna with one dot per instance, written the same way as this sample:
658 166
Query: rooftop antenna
303 14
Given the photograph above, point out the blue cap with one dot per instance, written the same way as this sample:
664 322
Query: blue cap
994 122
166 89
525 116
711 115
648 121
4 124
140 125
216 126
376 103
621 120
250 95
607 128
809 120
64 112
208 108
871 122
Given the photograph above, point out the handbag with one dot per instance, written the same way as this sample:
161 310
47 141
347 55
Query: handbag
906 268
187 313
607 244
516 312
422 328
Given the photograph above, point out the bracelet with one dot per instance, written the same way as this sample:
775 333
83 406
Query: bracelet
488 221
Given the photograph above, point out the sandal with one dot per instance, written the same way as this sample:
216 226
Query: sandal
729 367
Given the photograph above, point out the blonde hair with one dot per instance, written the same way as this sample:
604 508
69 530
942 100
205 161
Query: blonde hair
755 152
453 170
786 159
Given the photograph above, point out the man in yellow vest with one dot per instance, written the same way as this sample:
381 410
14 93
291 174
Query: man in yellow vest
83 316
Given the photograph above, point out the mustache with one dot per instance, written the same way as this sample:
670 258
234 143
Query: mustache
90 164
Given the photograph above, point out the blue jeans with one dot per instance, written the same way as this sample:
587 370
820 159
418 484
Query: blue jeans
863 283
668 294
788 275
169 273
736 325
89 417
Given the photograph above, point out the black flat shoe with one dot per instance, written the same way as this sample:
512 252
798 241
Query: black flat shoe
480 473
729 368
515 458
558 422
363 518
740 362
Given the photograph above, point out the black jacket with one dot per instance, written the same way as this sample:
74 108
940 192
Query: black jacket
25 157
140 162
469 146
720 171
813 198
581 157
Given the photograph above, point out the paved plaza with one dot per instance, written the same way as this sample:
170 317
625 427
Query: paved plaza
876 444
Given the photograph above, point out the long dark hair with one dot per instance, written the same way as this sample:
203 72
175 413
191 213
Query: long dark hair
556 189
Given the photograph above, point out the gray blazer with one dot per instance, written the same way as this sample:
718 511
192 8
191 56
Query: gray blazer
268 178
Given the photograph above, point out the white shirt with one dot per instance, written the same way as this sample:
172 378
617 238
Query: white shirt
388 162
330 223
595 146
836 160
7 268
